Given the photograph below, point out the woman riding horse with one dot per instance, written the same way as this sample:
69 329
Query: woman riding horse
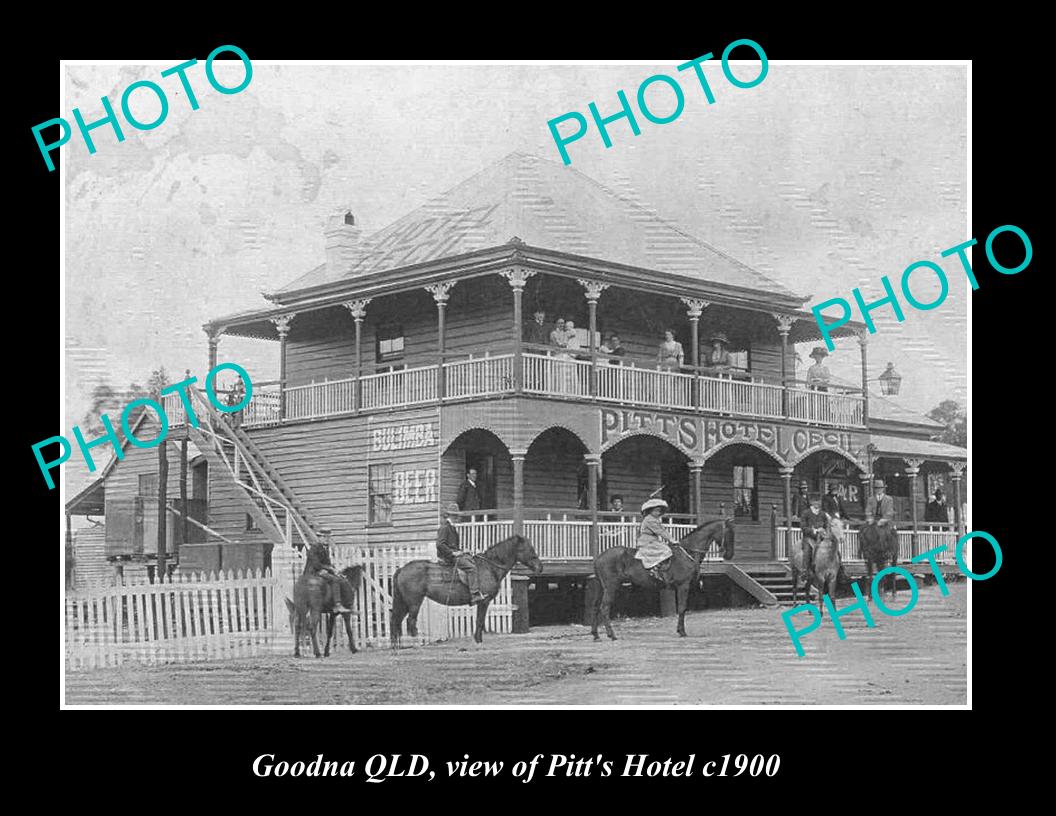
653 540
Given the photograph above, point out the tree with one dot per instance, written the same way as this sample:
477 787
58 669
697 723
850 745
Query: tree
111 401
953 416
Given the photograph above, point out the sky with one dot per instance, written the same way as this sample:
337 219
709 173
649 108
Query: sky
822 177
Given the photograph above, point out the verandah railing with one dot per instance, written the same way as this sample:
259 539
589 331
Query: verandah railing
928 538
561 376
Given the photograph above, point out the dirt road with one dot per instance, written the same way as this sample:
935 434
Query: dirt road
732 656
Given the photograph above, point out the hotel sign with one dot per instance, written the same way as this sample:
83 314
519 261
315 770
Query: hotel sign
697 436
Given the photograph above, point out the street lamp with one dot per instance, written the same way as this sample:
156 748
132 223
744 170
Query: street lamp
890 381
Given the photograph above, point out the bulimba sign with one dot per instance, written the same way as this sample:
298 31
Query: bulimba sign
698 437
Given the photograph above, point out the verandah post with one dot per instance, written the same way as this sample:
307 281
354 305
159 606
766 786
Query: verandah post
439 292
784 326
358 310
518 490
517 276
593 461
282 325
593 292
694 308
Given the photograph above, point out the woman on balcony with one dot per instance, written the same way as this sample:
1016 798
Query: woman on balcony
718 357
670 356
653 540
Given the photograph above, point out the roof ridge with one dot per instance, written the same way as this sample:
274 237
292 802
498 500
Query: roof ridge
676 228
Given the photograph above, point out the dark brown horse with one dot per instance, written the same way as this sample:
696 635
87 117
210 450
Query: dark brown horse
879 550
312 599
618 564
417 580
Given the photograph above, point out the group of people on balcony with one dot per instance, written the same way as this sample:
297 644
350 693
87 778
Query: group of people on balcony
565 341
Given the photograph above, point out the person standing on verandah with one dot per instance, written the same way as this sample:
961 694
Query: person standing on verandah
653 540
670 356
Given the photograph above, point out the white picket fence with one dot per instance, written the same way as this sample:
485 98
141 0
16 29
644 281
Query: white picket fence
435 621
192 617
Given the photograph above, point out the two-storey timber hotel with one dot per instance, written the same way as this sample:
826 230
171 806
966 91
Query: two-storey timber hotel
410 356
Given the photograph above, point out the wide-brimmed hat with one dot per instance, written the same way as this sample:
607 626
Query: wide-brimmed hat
722 338
651 503
803 483
879 483
819 352
452 508
832 486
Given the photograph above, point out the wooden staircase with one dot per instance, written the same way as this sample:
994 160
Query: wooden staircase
277 511
777 578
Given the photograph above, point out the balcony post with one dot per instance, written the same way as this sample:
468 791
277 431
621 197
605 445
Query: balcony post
694 308
912 469
282 325
695 468
439 292
518 490
358 310
214 335
784 326
517 276
957 469
593 461
593 292
863 341
786 496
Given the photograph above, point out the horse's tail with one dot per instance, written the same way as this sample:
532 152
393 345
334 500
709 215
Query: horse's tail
399 610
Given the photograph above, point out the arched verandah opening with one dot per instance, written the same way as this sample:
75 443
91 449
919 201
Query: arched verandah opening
744 481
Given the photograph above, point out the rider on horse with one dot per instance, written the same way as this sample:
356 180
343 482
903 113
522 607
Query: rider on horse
813 521
449 552
653 540
318 563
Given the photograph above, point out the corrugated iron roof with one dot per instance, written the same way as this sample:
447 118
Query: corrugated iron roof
549 206
902 446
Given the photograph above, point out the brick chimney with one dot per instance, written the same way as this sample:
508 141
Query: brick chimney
342 242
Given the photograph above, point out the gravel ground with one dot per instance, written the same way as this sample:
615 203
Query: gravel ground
732 656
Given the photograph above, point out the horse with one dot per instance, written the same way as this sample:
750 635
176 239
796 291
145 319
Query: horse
879 550
827 563
618 564
312 599
417 580
795 561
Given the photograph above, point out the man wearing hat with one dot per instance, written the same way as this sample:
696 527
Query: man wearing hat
653 540
449 552
537 334
880 508
936 512
317 562
832 503
800 502
812 522
818 374
718 356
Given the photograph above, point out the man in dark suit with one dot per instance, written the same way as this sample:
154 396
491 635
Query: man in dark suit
449 552
537 334
880 508
832 503
468 498
813 522
935 512
799 501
